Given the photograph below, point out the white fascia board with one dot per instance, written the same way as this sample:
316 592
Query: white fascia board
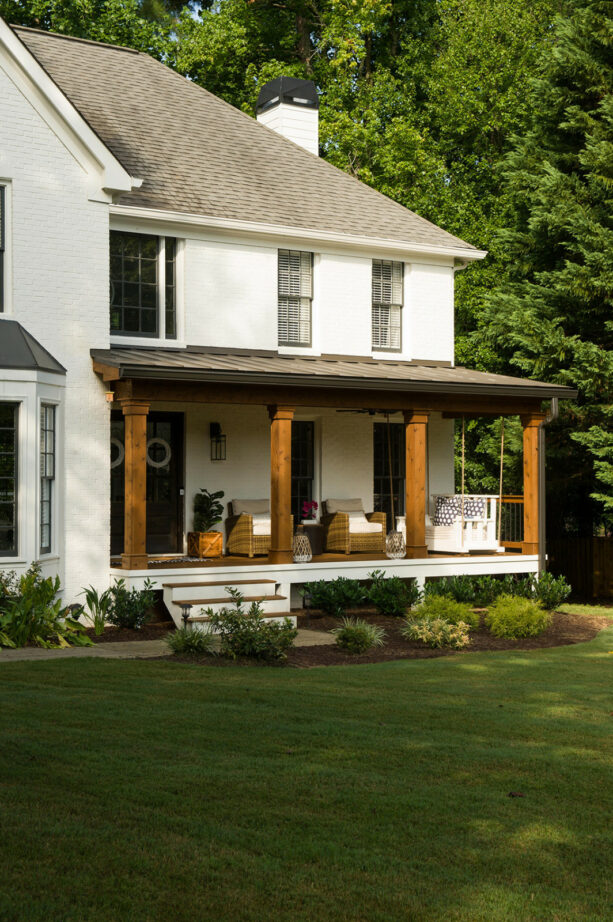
293 235
65 121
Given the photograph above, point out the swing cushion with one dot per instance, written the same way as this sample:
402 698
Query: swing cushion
449 508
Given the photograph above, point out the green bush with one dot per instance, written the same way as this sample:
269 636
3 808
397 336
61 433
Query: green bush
35 616
335 596
98 607
460 588
358 636
392 595
130 607
189 640
437 632
445 608
550 590
512 616
245 633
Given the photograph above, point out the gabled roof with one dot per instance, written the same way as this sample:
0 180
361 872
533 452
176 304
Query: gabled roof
242 366
198 155
19 350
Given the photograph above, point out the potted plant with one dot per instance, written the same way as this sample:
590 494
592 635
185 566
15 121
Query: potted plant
309 510
203 541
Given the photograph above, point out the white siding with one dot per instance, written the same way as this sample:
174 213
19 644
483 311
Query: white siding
430 305
300 125
441 475
343 296
230 294
60 293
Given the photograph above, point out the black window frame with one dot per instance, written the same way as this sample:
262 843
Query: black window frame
125 290
303 465
15 477
48 464
381 477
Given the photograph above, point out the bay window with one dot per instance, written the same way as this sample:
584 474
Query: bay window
8 479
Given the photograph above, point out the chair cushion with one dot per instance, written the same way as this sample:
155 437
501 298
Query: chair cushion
344 505
250 506
261 523
359 525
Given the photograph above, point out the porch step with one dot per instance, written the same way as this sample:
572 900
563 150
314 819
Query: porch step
226 599
220 582
203 619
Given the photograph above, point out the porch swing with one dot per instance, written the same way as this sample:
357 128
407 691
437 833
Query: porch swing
466 523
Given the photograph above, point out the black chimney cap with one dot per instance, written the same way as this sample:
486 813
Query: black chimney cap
290 90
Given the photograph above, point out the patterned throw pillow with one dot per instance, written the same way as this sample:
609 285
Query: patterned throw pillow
446 510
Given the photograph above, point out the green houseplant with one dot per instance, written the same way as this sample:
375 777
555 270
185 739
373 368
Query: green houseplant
208 511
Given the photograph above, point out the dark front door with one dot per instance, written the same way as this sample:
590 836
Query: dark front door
164 483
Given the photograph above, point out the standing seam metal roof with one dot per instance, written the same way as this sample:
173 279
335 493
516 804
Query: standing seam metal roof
198 155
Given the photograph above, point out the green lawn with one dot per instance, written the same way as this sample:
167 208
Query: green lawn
158 791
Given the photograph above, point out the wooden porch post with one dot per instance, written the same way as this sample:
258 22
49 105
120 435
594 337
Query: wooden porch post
416 430
531 424
134 555
280 483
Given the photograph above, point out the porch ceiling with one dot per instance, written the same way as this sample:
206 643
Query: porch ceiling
197 365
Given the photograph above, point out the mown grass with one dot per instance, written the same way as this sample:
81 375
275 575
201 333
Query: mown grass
158 791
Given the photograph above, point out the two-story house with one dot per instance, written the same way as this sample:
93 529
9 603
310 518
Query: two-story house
190 297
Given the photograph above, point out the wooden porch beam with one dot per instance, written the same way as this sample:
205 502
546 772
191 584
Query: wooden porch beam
134 555
335 398
531 424
416 429
280 484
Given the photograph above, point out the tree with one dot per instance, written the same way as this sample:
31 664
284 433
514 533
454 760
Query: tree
552 315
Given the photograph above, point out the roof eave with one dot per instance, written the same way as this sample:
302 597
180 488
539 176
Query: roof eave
465 389
277 231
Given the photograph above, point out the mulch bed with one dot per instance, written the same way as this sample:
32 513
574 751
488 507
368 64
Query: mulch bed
154 631
565 629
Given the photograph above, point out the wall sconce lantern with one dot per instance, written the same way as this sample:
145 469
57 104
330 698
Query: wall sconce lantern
218 442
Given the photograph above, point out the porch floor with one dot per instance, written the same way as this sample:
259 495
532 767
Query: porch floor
180 563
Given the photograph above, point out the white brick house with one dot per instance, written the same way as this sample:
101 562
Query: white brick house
246 274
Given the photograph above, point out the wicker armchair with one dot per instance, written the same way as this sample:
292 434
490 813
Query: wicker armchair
240 539
339 537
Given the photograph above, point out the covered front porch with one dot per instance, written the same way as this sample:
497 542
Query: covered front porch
421 400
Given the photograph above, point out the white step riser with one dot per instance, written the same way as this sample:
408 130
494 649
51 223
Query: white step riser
205 627
217 592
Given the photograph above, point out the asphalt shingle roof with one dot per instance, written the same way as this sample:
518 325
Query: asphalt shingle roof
197 154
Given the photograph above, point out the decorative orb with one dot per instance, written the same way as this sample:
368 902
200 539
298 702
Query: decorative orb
302 548
394 545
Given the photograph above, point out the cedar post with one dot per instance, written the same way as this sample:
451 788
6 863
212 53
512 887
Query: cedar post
531 424
280 484
416 439
134 555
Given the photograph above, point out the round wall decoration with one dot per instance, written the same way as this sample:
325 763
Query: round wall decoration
115 462
155 457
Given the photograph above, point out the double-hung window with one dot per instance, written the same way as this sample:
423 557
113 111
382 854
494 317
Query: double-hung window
8 479
295 276
143 285
2 244
47 475
387 279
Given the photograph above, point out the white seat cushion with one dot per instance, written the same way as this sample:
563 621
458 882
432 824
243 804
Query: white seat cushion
344 505
261 523
359 525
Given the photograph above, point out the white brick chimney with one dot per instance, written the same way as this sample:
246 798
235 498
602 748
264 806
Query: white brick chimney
291 107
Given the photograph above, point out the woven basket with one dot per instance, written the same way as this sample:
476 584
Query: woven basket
204 544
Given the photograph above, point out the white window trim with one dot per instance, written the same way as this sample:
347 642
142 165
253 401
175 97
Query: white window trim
6 304
286 345
377 348
122 339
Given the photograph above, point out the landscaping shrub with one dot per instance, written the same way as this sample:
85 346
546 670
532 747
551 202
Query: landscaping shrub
130 607
335 596
245 633
358 636
392 595
460 588
189 640
437 632
550 590
445 608
99 606
512 616
31 614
